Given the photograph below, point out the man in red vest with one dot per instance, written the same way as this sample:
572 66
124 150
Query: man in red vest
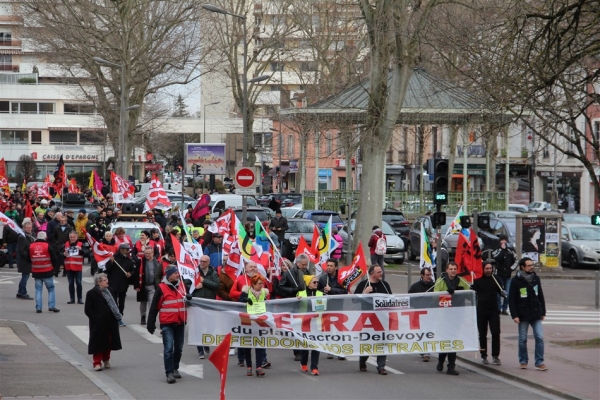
42 271
74 253
169 299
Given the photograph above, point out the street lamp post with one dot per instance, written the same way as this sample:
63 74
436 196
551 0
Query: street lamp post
280 151
124 117
204 117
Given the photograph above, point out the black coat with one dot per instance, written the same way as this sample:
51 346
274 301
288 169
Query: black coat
487 293
526 300
59 238
421 287
291 282
23 260
336 288
103 324
142 295
505 259
117 280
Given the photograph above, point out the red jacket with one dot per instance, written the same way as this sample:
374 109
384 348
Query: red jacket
373 241
172 305
74 260
240 282
41 260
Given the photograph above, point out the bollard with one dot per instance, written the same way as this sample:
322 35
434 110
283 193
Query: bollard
409 283
597 289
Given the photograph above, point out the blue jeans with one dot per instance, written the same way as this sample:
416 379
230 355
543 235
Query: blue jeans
49 283
172 335
12 248
538 334
23 284
503 305
74 277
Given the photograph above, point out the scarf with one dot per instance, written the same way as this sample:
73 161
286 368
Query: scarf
528 277
111 303
256 293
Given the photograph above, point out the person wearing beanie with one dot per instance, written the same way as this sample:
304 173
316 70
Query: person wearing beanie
42 260
310 291
169 300
121 273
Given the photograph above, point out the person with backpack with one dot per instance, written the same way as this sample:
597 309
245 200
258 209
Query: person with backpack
378 247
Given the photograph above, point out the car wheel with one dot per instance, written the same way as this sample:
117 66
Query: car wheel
573 259
400 260
409 251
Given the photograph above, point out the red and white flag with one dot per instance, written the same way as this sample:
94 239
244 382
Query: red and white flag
11 224
73 188
220 359
227 225
304 248
121 189
157 197
188 269
102 253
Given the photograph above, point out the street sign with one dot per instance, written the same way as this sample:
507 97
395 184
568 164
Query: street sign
245 191
245 177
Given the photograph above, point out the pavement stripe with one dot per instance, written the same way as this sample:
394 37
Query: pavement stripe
577 317
7 282
9 338
572 323
196 370
143 332
81 331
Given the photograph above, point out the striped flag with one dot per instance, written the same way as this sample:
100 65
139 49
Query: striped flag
102 253
426 258
455 224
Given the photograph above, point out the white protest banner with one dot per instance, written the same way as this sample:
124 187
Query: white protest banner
348 325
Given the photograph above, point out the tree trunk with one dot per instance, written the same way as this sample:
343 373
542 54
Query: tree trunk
302 168
452 155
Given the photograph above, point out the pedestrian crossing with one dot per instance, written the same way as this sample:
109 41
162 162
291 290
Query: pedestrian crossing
82 332
570 317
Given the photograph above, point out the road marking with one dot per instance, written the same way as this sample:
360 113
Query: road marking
6 282
568 317
374 362
9 338
81 331
143 332
88 280
196 370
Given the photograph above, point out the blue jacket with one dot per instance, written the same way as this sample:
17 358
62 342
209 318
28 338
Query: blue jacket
215 252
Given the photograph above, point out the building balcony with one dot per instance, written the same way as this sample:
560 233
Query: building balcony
11 20
9 67
268 98
10 43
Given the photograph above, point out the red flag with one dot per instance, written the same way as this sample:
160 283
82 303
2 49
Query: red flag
468 255
60 177
186 265
351 274
28 210
3 178
220 359
303 248
201 208
157 197
73 186
122 190
101 251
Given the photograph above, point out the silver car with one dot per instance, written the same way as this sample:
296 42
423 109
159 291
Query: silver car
395 245
580 245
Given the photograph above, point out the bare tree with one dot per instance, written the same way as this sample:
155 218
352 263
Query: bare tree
26 169
156 43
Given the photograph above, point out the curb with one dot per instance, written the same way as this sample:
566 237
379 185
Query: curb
416 273
545 388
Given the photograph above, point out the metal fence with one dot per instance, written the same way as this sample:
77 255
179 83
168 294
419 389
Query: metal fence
408 202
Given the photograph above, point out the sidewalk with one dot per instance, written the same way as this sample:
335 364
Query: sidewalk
30 368
573 373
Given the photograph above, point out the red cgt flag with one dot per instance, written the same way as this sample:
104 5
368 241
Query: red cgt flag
468 255
220 359
304 248
351 274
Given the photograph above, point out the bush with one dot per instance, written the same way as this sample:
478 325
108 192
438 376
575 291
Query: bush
27 80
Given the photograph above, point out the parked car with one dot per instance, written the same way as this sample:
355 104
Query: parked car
297 228
291 212
175 200
280 197
221 202
518 207
263 200
539 206
395 245
321 217
498 227
580 245
133 228
577 219
291 201
500 214
252 213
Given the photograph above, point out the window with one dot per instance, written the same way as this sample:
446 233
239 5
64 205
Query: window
267 139
4 107
91 137
342 183
277 66
14 137
290 145
5 38
338 144
258 140
328 144
36 137
25 108
57 137
46 108
307 66
275 88
74 108
6 62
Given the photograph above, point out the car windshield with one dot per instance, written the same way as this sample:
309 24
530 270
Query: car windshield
323 218
289 212
252 214
387 229
576 218
584 233
133 232
393 218
300 226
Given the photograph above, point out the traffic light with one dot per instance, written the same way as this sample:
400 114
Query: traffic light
596 219
197 170
483 222
440 182
438 219
465 221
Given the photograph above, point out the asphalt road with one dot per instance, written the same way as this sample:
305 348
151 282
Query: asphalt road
57 350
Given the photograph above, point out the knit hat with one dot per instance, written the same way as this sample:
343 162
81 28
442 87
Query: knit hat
308 278
171 270
83 211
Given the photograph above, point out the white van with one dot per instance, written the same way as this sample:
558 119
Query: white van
142 188
220 202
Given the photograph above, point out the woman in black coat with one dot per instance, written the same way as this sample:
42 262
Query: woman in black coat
101 309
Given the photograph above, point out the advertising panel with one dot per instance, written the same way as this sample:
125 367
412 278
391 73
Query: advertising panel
209 156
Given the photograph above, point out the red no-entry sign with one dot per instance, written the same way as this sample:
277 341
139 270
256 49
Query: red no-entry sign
245 177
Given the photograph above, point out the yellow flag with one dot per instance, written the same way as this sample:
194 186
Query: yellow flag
91 184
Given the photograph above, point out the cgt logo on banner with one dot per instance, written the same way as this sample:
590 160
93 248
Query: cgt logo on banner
445 300
347 325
